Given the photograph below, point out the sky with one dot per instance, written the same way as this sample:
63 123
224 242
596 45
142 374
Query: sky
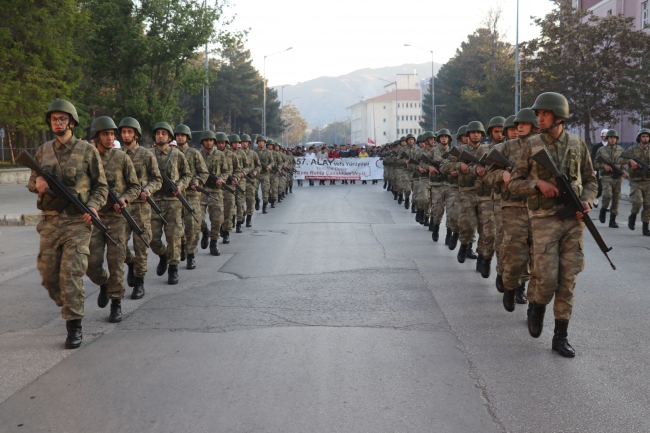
335 37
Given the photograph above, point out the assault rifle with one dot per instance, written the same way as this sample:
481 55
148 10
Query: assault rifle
454 151
468 158
572 202
204 192
113 200
223 185
427 160
497 158
61 194
169 186
644 167
261 179
155 207
411 161
231 179
616 172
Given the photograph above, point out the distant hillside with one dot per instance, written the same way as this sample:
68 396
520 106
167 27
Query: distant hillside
325 99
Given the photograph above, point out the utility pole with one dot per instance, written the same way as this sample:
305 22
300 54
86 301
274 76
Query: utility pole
517 76
206 88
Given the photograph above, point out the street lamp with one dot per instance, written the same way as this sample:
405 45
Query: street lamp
433 104
282 108
396 105
264 106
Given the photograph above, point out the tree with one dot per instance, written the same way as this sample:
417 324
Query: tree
596 63
295 125
332 133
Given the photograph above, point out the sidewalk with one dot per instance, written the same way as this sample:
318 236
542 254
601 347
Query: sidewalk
18 206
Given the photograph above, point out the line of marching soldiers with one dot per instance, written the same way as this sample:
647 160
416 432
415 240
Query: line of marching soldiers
500 191
94 198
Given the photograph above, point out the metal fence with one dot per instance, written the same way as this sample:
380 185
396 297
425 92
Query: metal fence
5 152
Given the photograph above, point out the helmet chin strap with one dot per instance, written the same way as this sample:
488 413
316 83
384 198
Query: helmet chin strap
552 127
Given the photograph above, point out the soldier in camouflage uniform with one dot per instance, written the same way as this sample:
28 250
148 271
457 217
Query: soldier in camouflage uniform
64 236
452 177
517 241
443 194
146 169
281 161
405 176
292 166
611 183
228 197
123 182
557 244
199 173
264 176
253 168
423 202
416 193
640 183
274 178
172 162
240 201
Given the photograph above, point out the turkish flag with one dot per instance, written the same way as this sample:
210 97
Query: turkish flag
370 141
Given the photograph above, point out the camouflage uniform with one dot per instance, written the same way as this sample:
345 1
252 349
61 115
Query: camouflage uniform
146 169
253 169
228 198
199 175
611 186
122 180
404 176
639 184
64 237
173 162
243 182
558 245
266 159
218 165
486 217
275 178
425 200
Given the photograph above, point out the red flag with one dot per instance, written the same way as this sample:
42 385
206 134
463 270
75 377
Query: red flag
370 141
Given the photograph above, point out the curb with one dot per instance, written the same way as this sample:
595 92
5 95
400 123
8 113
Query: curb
20 219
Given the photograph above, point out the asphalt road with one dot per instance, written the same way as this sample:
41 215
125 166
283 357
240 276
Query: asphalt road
335 313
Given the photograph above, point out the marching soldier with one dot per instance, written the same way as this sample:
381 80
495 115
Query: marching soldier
282 183
264 176
228 198
640 183
123 182
146 169
252 169
172 162
406 177
270 145
199 175
65 235
443 193
423 201
558 244
611 184
240 202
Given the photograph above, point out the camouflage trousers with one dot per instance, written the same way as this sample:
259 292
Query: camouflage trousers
215 212
423 201
611 192
404 179
498 227
141 213
251 190
516 247
240 202
62 261
640 195
115 256
228 210
415 189
172 211
558 258
192 228
282 184
486 228
265 183
275 181
444 197
468 221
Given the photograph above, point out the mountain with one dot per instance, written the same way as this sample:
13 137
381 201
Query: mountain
324 99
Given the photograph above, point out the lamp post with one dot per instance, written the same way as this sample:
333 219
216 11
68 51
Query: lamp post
396 105
282 109
517 74
433 103
264 106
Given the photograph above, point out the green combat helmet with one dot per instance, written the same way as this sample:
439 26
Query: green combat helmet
102 123
63 106
444 132
221 136
427 134
476 126
410 136
183 129
130 122
260 138
402 138
509 123
166 127
612 133
246 137
270 141
526 115
495 121
206 135
461 131
234 138
554 102
419 139
641 132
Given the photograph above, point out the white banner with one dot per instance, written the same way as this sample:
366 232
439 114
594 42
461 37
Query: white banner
339 169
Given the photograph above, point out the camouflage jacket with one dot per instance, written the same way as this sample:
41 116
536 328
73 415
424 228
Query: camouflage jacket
266 158
121 178
253 166
466 181
511 149
198 170
174 164
612 154
218 165
146 169
642 155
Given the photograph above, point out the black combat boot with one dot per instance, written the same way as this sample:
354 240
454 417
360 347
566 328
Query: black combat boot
421 217
435 235
74 334
257 203
509 300
162 265
417 216
130 276
432 225
560 343
272 201
453 241
213 248
602 216
499 284
407 203
395 195
264 208
172 274
631 221
116 311
226 237
646 231
486 268
138 289
183 253
462 251
191 261
291 189
612 221
248 220
234 219
536 320
479 264
205 237
385 184
447 237
238 228
389 188
426 221
470 253
400 199
279 200
520 294
102 298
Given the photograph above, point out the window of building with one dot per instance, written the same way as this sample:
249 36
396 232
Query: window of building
384 132
609 12
384 107
644 14
576 3
419 130
384 120
398 132
398 105
402 117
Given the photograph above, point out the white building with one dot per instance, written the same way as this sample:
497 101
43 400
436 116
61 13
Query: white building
387 117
